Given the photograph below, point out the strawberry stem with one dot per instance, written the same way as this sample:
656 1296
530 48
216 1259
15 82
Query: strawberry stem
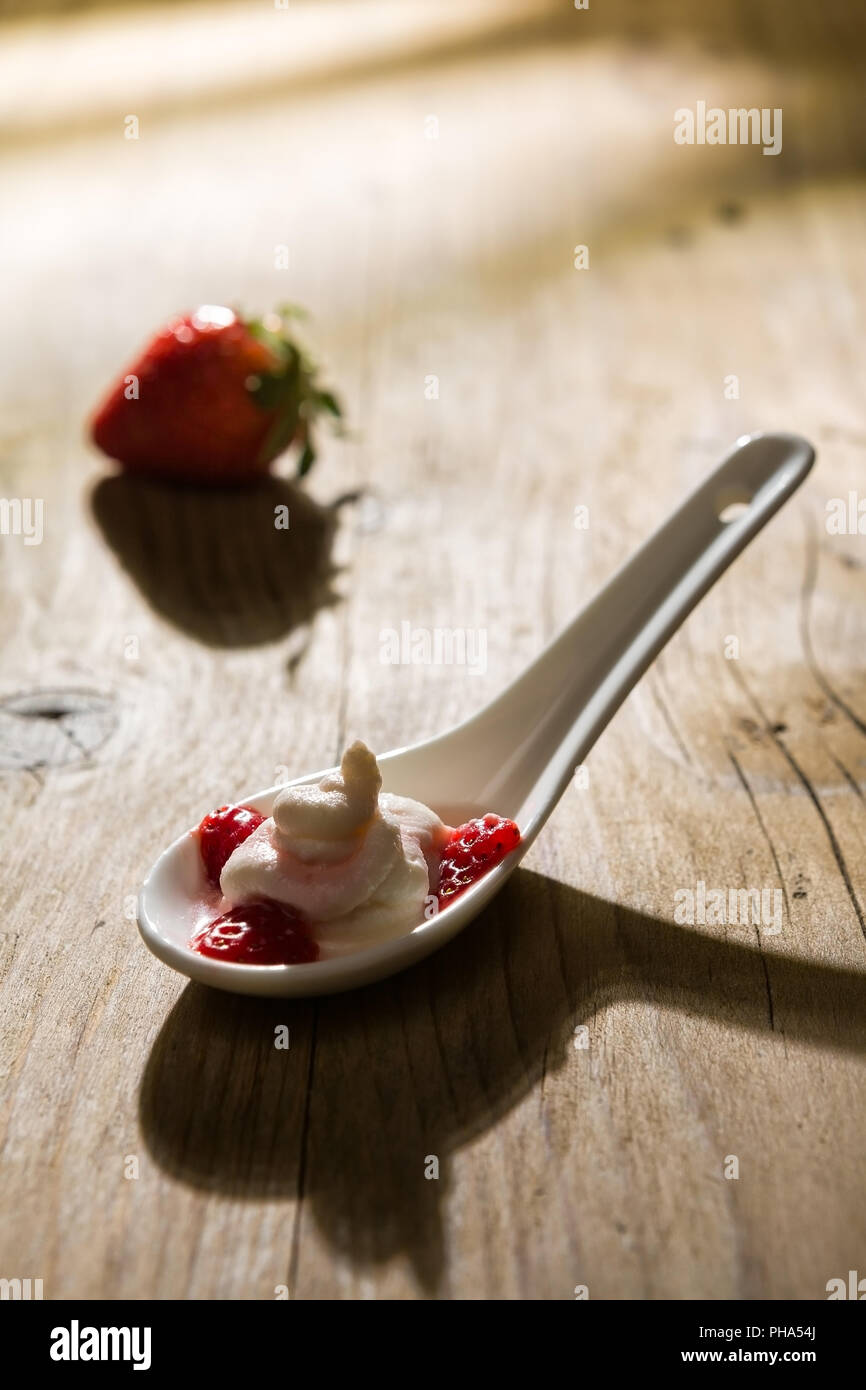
290 391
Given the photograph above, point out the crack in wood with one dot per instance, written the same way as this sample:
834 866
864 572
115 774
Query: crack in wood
54 727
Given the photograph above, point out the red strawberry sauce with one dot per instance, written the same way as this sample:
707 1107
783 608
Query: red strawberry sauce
270 933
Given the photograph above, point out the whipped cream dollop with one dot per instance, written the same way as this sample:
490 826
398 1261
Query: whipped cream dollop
359 863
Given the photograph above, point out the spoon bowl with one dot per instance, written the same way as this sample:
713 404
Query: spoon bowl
517 755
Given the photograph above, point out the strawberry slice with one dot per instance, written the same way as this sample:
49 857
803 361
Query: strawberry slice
214 398
258 933
471 851
220 833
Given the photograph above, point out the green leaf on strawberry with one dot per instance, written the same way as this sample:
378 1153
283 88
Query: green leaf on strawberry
290 391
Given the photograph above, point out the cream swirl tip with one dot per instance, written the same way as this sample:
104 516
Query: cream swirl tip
331 811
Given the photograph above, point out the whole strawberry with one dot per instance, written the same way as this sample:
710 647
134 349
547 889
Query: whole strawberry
214 398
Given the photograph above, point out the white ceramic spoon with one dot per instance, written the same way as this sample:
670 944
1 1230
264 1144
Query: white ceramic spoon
518 754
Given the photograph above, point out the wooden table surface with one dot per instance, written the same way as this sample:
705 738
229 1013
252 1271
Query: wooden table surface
584 1066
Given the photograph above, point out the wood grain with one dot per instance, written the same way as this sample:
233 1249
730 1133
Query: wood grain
211 650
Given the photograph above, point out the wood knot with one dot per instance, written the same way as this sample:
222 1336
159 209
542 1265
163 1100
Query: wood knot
53 727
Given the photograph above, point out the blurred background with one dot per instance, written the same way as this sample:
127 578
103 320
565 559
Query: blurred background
418 174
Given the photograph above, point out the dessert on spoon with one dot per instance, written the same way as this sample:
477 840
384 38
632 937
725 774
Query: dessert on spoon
337 866
349 875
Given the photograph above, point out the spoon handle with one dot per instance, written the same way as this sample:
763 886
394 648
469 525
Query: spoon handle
551 715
